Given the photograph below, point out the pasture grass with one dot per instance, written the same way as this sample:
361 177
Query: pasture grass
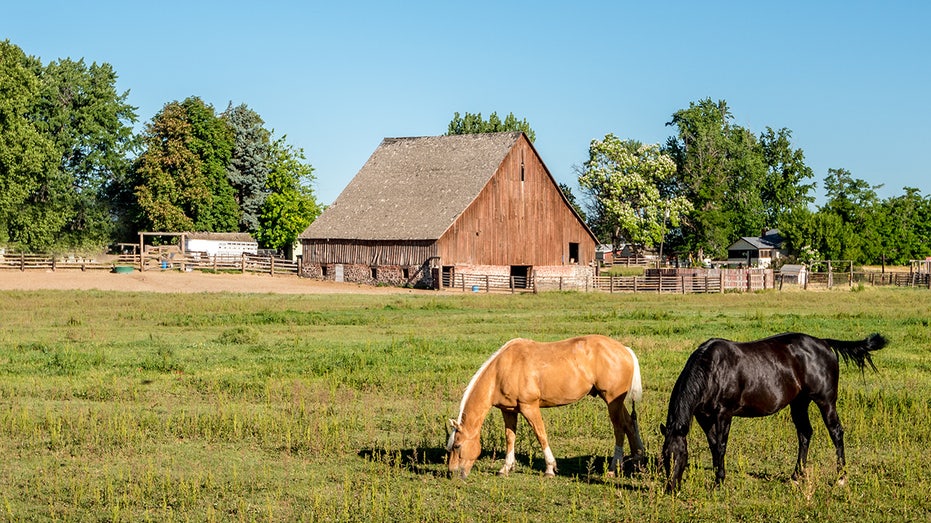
257 407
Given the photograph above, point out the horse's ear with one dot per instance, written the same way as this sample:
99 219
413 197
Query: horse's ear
454 424
662 429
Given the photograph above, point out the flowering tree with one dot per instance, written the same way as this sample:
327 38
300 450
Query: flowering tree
625 180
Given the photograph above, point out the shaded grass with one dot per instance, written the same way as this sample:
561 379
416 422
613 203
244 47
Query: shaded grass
218 407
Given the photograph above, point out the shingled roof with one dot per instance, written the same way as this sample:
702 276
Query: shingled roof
413 188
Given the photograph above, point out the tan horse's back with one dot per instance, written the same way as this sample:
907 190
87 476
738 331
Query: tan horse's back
550 374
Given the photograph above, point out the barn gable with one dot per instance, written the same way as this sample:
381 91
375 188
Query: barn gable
413 188
465 203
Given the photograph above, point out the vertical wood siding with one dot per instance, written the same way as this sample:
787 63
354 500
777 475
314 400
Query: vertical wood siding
367 252
517 222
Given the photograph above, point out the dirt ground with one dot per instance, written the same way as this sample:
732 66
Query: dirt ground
183 282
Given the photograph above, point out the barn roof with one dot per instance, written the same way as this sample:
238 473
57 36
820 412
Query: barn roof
413 188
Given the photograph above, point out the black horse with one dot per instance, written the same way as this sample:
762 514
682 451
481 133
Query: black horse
723 379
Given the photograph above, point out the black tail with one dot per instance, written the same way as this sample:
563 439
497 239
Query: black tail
858 351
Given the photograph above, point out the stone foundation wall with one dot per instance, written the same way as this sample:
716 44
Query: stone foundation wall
393 275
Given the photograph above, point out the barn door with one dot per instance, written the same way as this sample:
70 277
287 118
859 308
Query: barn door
520 276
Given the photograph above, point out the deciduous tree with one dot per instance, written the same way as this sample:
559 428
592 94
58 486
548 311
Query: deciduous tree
474 124
626 180
181 182
291 205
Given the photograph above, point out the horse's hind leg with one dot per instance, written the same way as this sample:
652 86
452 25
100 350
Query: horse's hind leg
535 418
510 436
624 425
799 410
836 430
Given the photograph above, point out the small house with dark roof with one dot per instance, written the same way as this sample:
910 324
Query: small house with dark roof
756 251
423 210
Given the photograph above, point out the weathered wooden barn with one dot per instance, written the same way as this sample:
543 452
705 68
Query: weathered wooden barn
425 210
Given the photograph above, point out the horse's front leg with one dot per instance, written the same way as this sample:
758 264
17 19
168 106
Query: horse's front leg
717 432
510 436
799 411
535 418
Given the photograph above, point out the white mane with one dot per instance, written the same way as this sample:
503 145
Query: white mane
468 390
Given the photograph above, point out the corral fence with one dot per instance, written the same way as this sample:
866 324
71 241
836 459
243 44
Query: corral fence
687 281
829 280
149 262
679 281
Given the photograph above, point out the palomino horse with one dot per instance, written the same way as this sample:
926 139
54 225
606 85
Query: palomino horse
524 376
723 379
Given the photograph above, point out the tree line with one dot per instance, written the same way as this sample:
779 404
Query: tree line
714 181
74 175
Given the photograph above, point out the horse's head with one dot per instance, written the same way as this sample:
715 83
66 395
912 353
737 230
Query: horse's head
675 457
463 449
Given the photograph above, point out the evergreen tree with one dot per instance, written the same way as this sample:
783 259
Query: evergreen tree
249 165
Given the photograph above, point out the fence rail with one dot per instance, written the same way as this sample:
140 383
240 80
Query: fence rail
670 282
177 261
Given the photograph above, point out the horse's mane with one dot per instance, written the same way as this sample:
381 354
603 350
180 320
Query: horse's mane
687 391
478 374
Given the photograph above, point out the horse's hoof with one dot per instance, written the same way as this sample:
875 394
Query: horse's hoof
610 474
502 473
549 474
842 481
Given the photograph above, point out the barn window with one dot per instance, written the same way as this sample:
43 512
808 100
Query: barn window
406 273
375 273
573 252
521 165
324 271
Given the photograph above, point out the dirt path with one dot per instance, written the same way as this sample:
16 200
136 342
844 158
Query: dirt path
181 282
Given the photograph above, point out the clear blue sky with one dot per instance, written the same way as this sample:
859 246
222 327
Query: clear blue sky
851 79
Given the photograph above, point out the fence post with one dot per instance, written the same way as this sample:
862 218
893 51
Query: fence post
243 256
659 284
635 284
487 286
272 270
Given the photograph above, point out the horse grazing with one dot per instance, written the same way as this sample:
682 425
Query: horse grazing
524 376
723 379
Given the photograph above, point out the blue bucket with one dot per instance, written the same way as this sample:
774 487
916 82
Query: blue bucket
475 288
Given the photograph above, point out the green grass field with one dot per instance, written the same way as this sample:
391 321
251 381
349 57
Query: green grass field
235 407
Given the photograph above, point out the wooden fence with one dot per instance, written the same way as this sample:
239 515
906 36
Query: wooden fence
654 281
830 280
686 282
177 261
